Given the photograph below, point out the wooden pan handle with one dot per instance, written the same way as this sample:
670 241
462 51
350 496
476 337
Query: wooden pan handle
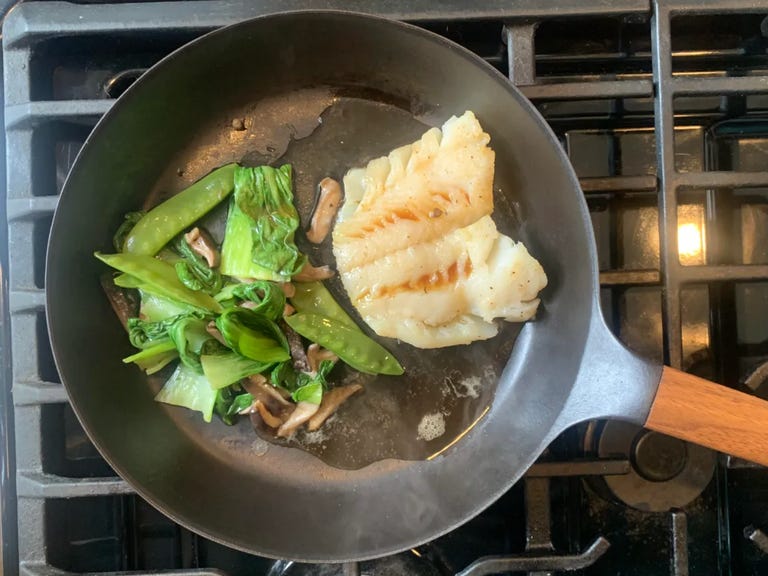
715 416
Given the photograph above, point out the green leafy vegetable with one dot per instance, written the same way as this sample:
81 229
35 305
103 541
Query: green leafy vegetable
155 357
253 335
189 389
311 392
166 220
157 362
154 308
225 369
189 335
310 387
193 270
267 296
142 333
127 281
146 334
348 342
285 376
262 221
228 405
131 219
158 277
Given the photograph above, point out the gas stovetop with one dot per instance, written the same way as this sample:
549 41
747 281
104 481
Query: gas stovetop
663 110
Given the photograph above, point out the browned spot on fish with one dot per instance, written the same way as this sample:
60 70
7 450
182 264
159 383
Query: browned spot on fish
393 217
425 283
441 197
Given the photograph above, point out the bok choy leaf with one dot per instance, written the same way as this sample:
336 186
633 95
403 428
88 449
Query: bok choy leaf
154 357
225 369
262 220
193 270
189 389
311 386
228 404
154 308
268 298
253 335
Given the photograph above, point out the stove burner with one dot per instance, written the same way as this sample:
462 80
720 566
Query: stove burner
665 473
657 457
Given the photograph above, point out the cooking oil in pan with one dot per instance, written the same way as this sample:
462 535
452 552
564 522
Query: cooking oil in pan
325 132
444 391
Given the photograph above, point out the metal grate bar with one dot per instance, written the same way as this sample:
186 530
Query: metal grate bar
31 530
30 114
521 53
29 23
597 467
721 179
589 90
689 86
30 393
690 274
19 173
630 277
41 485
618 184
22 208
23 301
29 439
43 569
661 59
708 6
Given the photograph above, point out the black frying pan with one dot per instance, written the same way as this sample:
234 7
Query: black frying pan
376 85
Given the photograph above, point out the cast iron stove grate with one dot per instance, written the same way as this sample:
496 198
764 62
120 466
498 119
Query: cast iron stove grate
663 109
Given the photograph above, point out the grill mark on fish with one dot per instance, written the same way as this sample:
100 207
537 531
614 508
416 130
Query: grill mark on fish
424 283
457 198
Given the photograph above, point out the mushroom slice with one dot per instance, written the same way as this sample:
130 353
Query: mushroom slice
304 411
214 331
125 303
296 347
328 203
310 273
331 402
288 289
316 354
201 242
260 389
269 419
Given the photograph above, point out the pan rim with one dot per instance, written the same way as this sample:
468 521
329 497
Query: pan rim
130 94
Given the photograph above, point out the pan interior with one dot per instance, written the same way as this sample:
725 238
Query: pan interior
178 119
323 132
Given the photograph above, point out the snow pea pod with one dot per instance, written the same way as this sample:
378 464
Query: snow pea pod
348 342
158 226
157 277
315 298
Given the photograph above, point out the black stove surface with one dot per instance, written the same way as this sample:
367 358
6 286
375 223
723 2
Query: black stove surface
663 110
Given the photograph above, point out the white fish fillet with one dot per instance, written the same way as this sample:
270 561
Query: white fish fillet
417 251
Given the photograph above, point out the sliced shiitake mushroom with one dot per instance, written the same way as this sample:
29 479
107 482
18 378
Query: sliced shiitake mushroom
328 203
304 411
310 273
316 354
202 243
330 403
